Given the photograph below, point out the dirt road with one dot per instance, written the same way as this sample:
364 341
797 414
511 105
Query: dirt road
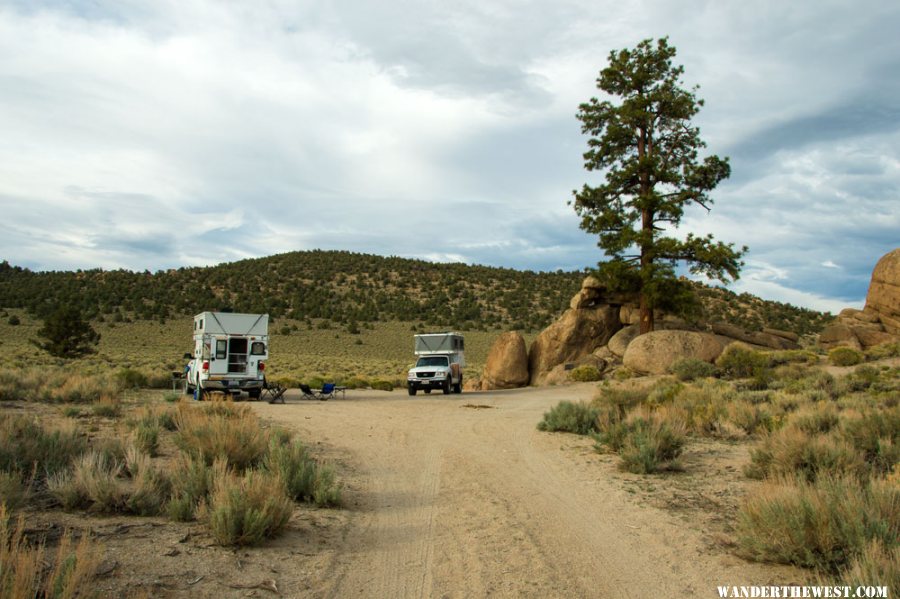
450 500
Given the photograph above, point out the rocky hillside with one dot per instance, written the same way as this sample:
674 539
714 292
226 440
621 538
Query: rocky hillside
348 288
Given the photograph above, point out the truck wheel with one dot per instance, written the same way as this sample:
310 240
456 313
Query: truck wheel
254 393
412 390
457 388
446 386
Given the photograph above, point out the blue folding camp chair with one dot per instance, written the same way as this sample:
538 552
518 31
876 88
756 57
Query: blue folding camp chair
327 391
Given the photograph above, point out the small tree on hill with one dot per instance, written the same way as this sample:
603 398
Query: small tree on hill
647 148
67 334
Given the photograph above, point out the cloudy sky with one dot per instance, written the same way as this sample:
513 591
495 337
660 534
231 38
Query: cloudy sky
149 134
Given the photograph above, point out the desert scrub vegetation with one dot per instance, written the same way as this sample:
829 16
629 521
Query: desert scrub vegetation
245 509
845 356
571 417
239 478
221 430
30 571
57 385
832 525
585 374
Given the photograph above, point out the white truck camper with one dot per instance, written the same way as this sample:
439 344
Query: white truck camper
439 363
230 352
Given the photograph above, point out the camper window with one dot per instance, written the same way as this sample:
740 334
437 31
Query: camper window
221 349
258 348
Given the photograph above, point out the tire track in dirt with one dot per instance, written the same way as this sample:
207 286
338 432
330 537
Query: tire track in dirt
450 502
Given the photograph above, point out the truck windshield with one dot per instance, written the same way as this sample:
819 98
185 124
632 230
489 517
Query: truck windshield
433 361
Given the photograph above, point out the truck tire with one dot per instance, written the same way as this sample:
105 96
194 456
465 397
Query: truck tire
412 390
446 386
254 393
457 388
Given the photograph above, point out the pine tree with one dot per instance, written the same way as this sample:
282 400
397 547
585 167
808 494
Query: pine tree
67 334
648 150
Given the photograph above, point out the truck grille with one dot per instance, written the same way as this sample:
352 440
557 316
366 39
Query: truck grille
426 375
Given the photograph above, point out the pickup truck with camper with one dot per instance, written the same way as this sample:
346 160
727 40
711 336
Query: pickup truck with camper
230 353
439 363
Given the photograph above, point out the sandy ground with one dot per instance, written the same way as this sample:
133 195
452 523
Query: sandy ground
453 496
461 496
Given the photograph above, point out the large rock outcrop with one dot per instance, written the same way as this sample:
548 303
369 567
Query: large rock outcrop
654 353
771 339
593 317
879 322
507 363
883 299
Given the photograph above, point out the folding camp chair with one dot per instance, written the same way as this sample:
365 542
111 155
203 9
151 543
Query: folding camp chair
307 393
327 391
273 392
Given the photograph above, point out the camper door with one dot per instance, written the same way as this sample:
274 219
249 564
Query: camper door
218 360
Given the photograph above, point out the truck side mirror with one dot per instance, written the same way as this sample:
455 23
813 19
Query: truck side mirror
188 356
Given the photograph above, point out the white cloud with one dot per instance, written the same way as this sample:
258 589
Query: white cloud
158 134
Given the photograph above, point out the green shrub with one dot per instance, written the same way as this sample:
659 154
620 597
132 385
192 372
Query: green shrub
845 356
740 362
303 478
570 417
382 385
25 446
150 488
171 396
129 378
824 525
190 481
106 410
688 369
71 412
876 435
750 418
884 350
585 373
246 510
622 400
819 418
13 490
146 437
651 445
663 392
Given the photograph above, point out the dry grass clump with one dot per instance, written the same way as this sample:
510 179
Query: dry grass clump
31 572
877 565
221 430
794 452
92 483
246 509
824 524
